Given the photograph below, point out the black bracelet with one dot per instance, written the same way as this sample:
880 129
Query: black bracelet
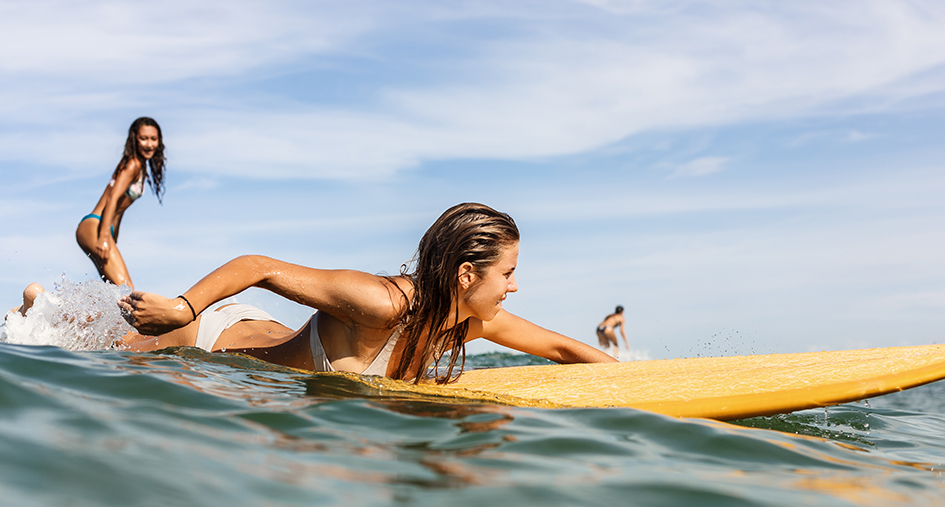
190 305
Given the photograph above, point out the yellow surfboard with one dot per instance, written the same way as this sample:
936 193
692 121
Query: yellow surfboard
723 388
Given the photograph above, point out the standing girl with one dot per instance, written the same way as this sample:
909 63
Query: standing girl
97 233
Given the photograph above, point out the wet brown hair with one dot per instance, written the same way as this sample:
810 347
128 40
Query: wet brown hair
156 178
468 232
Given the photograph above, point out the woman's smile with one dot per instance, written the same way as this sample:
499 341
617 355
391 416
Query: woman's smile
484 296
147 141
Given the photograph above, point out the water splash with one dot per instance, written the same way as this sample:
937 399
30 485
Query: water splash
727 342
634 355
73 316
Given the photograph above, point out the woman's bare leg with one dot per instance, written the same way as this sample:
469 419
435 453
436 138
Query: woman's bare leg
612 347
112 269
29 297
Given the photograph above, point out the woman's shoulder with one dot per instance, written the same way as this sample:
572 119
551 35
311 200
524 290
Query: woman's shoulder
399 290
380 299
131 166
402 283
375 294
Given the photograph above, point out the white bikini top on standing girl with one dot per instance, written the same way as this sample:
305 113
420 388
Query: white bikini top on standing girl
136 189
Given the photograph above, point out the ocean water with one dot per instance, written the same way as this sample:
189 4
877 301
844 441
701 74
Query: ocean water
184 427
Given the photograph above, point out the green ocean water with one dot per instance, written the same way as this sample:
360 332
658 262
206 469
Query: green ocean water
182 427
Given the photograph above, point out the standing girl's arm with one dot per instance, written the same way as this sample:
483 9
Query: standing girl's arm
119 186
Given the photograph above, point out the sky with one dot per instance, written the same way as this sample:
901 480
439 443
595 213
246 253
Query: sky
744 177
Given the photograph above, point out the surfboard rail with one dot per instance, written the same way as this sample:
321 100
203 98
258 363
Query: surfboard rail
723 388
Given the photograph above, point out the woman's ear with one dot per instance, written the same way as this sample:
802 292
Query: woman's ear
466 275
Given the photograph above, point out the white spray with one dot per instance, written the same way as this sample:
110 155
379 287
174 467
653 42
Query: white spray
74 316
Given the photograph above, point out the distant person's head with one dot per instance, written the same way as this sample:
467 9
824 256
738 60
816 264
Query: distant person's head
619 309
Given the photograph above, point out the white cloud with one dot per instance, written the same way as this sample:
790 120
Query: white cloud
80 151
133 42
197 184
636 6
701 166
553 85
855 136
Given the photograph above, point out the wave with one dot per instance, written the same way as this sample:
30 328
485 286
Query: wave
185 427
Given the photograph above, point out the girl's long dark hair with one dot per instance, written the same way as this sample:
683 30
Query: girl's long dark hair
156 178
468 232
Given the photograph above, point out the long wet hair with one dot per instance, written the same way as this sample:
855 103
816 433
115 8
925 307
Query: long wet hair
156 178
469 232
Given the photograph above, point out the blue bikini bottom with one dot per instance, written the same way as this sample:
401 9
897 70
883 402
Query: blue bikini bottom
99 218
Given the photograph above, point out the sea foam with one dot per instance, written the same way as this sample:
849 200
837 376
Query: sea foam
74 316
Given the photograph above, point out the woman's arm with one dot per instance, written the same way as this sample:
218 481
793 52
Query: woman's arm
350 296
517 333
123 179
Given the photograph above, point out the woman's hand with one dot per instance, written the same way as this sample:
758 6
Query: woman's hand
103 248
152 314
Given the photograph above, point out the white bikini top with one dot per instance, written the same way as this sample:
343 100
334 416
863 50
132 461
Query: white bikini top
377 367
135 189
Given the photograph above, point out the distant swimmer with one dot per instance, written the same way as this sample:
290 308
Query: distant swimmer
606 332
97 232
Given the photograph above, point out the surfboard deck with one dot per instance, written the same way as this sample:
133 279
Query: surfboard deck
722 388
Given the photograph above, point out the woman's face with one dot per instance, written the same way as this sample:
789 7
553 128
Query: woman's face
147 141
481 294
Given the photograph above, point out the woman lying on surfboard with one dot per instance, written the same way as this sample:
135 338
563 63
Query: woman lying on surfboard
395 326
97 232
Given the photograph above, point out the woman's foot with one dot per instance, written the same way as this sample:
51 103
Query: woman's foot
29 297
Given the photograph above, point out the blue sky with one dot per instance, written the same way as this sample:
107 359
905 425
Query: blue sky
751 177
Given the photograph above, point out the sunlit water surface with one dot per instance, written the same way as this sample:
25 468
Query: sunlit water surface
183 427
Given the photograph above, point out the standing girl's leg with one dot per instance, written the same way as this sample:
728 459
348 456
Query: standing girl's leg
112 269
612 347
